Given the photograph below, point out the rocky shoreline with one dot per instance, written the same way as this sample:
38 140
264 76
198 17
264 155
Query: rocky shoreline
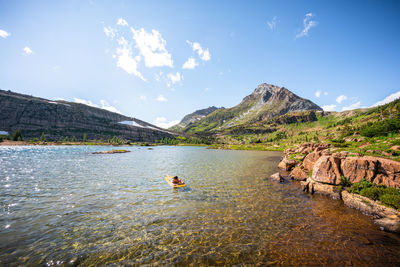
320 170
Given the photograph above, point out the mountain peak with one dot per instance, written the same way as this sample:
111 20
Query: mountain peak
265 102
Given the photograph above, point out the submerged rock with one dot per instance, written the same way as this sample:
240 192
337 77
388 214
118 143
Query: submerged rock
277 177
112 151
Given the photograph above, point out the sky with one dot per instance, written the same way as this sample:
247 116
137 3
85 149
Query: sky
160 60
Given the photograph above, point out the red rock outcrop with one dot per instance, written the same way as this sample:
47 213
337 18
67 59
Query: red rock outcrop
287 164
310 159
327 170
299 174
388 172
358 168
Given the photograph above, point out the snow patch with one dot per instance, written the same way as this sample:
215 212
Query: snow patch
131 123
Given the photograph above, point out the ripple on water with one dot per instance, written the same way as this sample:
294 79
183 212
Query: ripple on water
65 205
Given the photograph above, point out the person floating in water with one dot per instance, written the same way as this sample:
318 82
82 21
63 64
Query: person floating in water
176 180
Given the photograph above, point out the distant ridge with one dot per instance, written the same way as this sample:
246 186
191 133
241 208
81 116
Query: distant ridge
193 117
34 115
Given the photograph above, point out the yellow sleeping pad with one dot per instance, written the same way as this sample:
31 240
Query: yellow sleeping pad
169 181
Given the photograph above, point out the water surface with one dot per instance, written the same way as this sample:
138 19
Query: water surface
63 205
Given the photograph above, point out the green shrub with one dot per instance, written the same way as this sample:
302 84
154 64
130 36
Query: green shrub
17 136
344 182
391 200
374 192
42 137
389 196
357 187
381 128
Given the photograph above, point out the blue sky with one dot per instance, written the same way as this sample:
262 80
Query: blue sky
160 60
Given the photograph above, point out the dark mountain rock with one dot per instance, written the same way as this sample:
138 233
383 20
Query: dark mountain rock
193 117
58 119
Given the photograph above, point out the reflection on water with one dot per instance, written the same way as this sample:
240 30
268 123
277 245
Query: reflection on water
63 205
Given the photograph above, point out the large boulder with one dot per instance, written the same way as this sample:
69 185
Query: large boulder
299 174
287 164
327 170
388 172
377 170
355 169
310 159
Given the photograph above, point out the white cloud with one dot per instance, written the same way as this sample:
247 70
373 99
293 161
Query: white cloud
162 122
27 51
190 64
143 98
85 102
203 54
325 93
352 106
388 99
4 34
175 78
272 23
308 24
122 22
341 98
125 60
110 32
329 107
103 104
161 98
318 93
106 106
152 48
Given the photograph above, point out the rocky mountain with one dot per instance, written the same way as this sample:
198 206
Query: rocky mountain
33 116
193 117
266 102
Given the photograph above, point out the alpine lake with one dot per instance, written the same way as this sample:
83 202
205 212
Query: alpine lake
62 205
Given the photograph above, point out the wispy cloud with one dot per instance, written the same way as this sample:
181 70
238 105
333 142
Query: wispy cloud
163 123
204 54
122 22
174 78
110 32
4 34
161 98
387 99
190 64
272 23
125 59
352 106
318 93
143 98
341 98
152 48
329 107
27 51
307 24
